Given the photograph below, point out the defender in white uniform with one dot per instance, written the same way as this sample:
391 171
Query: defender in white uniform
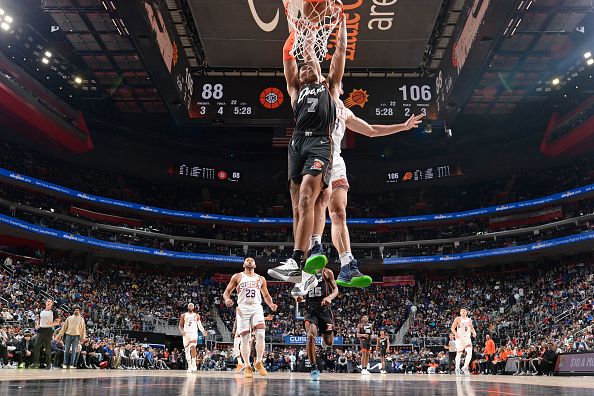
189 323
250 288
463 330
336 197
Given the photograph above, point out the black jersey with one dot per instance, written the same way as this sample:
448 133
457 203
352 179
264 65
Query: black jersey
383 342
315 111
317 294
366 329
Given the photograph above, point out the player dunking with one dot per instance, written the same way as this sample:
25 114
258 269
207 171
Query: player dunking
336 197
310 150
189 324
364 332
463 329
318 315
250 288
383 345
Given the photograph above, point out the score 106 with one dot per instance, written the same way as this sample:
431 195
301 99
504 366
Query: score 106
216 92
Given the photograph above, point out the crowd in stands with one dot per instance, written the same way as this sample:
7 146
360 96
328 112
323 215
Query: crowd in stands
531 184
533 313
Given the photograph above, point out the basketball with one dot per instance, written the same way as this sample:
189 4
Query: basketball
315 10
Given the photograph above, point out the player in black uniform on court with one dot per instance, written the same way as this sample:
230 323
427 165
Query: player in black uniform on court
318 316
310 150
364 332
383 345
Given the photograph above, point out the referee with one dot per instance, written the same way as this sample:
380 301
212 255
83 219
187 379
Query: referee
451 348
48 318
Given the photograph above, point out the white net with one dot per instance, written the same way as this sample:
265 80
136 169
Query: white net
313 23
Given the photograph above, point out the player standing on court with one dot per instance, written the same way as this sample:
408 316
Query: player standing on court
250 288
463 329
189 324
310 150
364 332
383 345
318 316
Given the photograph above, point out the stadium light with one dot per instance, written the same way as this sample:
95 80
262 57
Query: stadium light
78 80
45 61
8 18
4 26
590 61
555 81
1 11
48 54
588 55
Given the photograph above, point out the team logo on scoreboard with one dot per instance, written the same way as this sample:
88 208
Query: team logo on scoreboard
272 98
357 98
222 175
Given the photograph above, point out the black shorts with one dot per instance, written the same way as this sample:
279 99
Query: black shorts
310 155
383 352
365 344
322 318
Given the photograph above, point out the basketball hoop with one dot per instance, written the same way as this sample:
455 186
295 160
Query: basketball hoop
313 22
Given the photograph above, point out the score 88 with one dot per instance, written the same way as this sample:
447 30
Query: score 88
210 91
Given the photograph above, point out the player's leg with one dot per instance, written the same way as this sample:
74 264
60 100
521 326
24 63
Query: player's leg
311 330
260 334
457 360
315 243
237 352
349 275
243 329
467 359
310 189
193 354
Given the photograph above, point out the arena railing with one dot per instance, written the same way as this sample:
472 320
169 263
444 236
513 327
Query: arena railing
490 236
173 255
78 195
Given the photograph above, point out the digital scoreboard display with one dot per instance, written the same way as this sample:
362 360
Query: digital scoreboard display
264 100
208 173
421 174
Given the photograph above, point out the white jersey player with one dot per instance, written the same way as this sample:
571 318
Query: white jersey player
463 330
335 198
250 288
189 324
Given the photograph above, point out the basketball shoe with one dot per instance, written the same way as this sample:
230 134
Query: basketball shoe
301 289
289 271
248 372
350 276
259 366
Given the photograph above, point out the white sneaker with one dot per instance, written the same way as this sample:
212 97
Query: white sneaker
194 366
289 271
301 289
383 372
458 371
465 370
364 372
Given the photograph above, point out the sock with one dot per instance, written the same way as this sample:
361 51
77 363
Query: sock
314 366
297 256
458 358
245 348
188 356
236 351
345 258
260 344
468 357
194 363
315 238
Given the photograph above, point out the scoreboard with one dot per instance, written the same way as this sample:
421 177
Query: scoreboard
265 101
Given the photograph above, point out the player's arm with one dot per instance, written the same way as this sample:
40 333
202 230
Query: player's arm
200 327
338 61
233 282
359 333
182 321
266 295
454 325
472 329
358 125
333 286
290 68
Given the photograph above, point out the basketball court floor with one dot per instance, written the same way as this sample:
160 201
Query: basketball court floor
83 382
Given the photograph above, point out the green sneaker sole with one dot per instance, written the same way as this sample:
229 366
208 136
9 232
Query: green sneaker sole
359 281
315 263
